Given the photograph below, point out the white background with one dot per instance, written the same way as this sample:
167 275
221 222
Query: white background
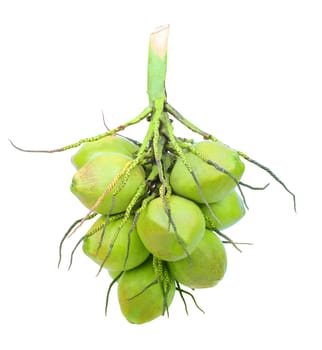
248 72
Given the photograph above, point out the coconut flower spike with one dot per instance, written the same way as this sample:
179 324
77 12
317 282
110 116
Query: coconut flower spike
208 136
143 115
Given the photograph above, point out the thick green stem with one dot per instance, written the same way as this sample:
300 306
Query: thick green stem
157 65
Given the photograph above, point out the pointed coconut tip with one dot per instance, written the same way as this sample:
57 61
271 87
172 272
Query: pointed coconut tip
159 40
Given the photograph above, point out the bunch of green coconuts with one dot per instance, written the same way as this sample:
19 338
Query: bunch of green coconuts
160 204
149 254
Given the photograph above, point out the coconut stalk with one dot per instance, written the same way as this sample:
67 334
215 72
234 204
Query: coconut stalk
157 64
